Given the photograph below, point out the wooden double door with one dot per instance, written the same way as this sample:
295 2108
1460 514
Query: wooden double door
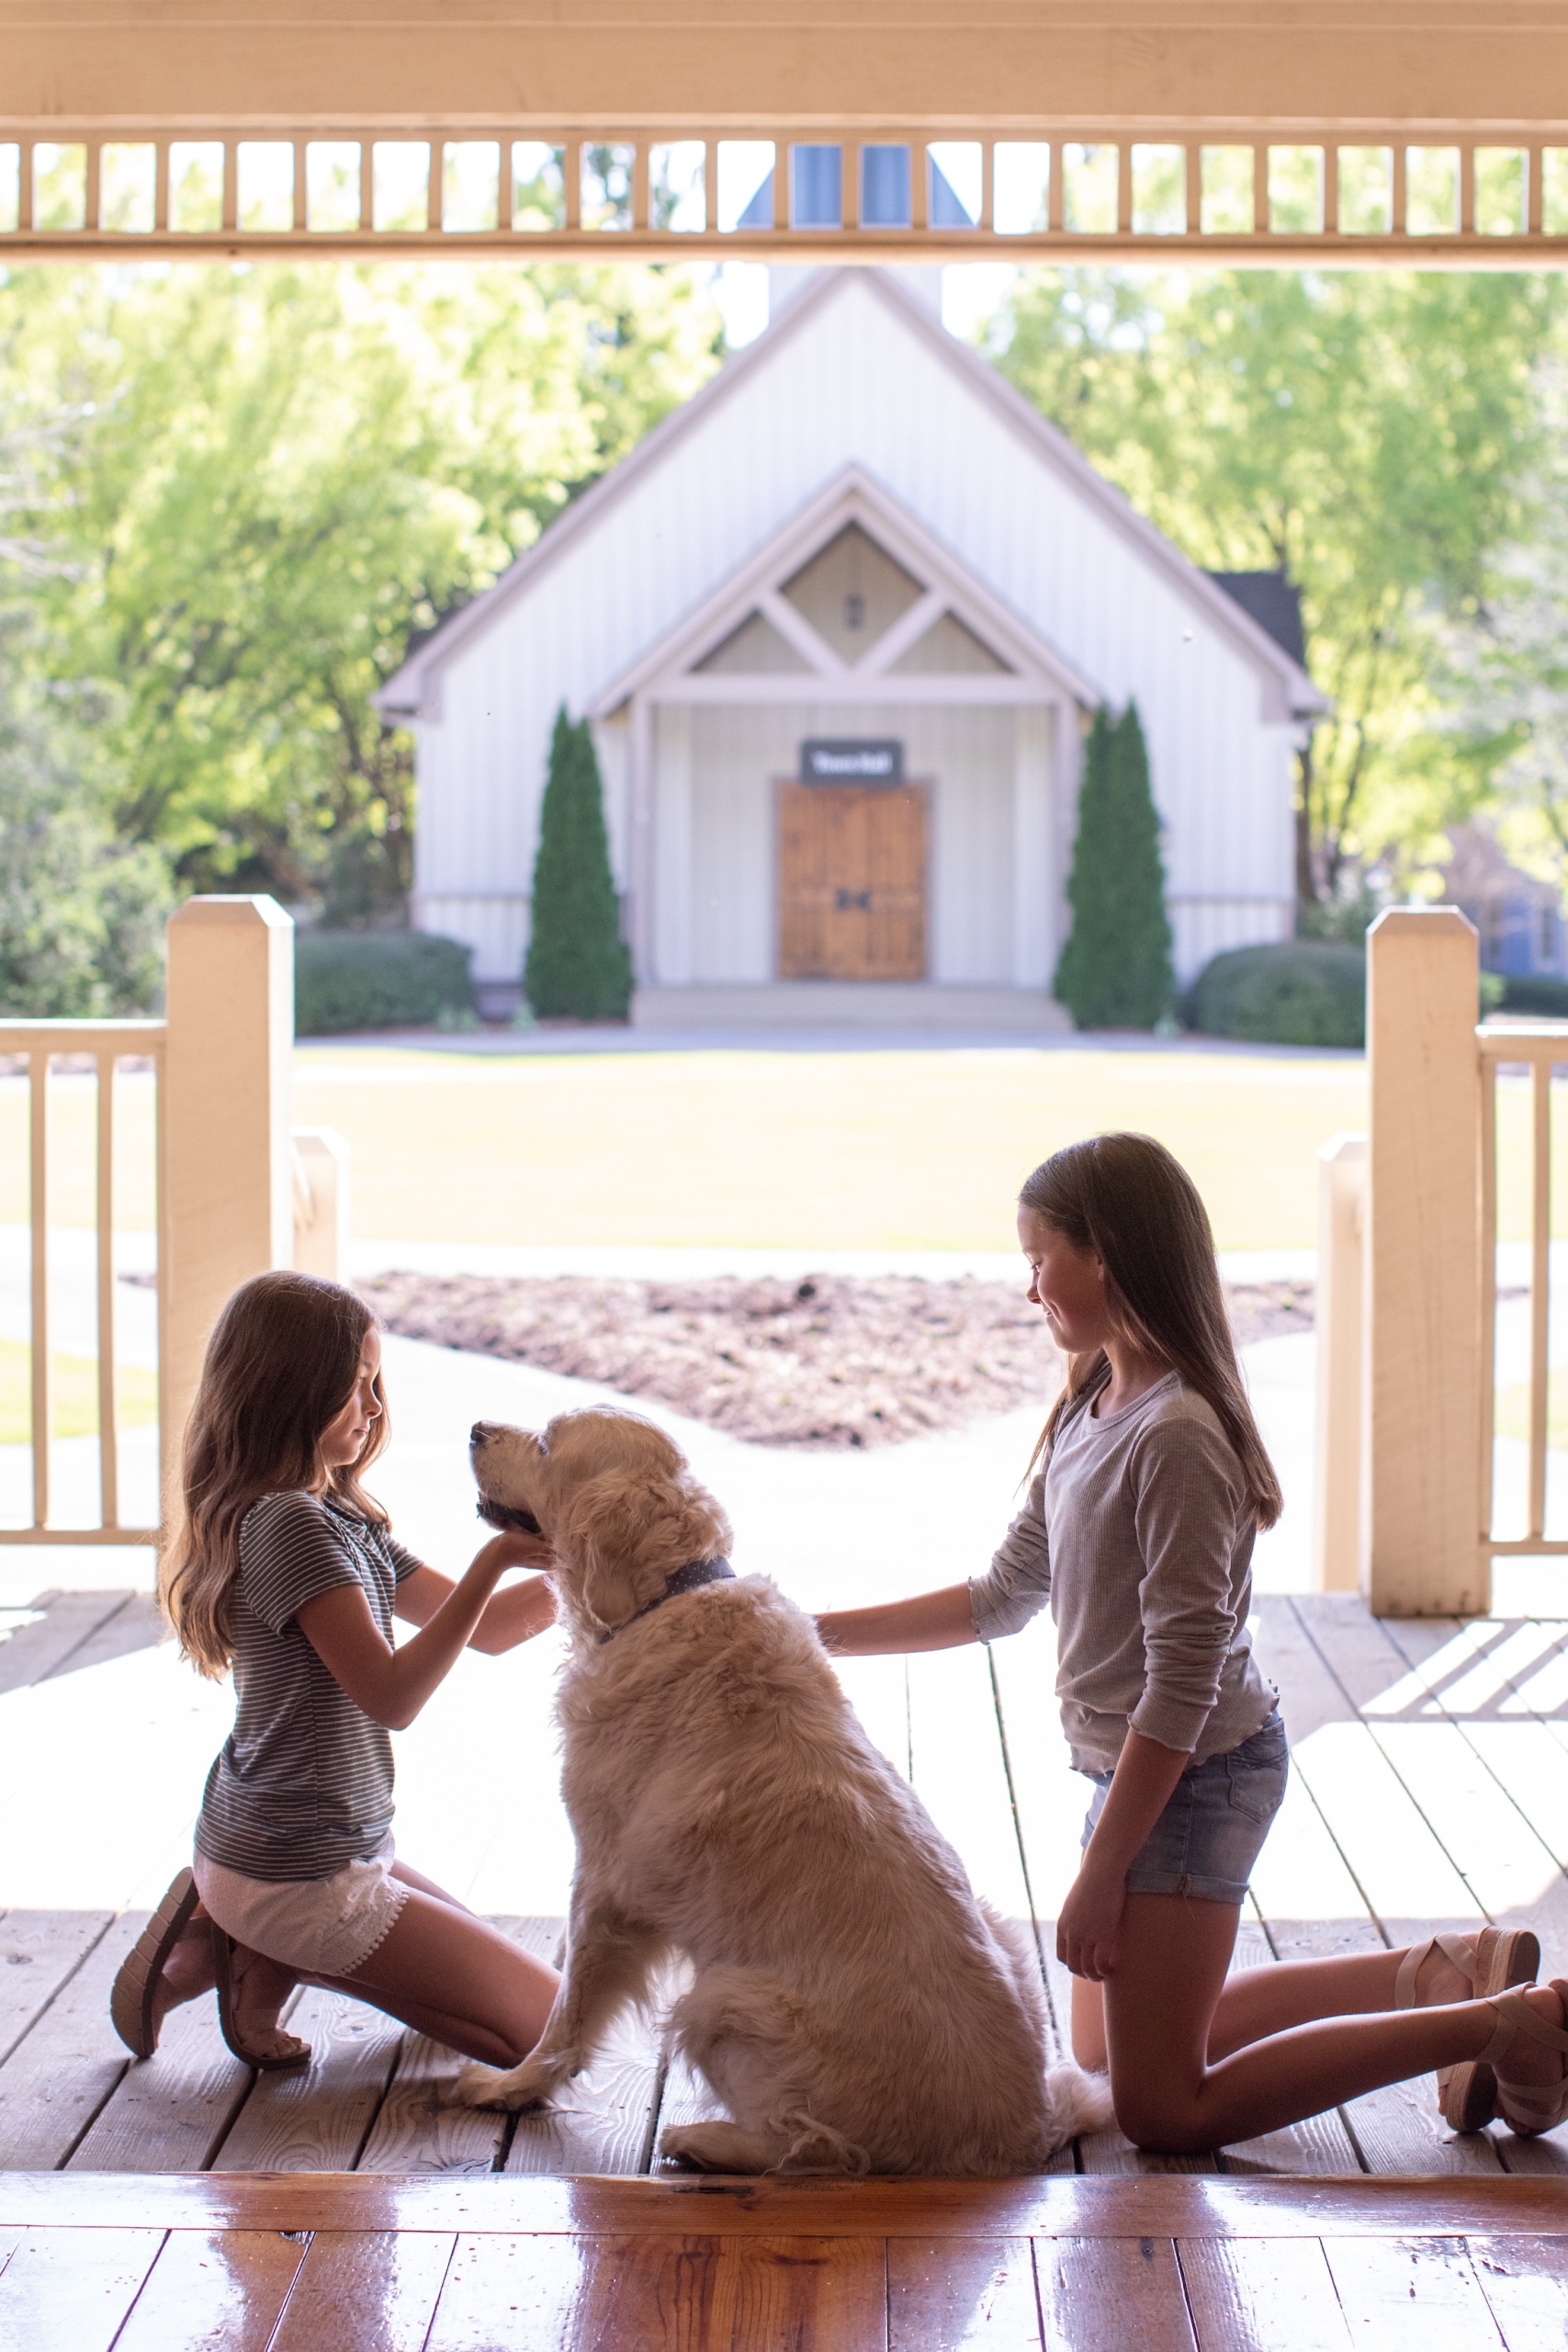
853 881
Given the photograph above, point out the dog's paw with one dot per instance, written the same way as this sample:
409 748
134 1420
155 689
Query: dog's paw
524 2085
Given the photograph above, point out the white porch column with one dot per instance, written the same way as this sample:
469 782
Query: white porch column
1423 1396
227 1182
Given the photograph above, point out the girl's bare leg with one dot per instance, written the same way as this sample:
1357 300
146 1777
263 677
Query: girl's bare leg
454 1977
1162 2003
1257 2002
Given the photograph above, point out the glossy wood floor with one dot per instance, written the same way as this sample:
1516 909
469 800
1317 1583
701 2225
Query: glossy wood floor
304 2263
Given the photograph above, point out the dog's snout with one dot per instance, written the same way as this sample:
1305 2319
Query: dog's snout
479 1436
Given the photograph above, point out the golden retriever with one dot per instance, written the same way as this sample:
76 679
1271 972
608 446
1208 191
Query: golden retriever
854 2006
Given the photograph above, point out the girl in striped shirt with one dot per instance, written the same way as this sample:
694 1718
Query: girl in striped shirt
282 1571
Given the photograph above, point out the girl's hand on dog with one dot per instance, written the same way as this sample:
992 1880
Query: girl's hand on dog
514 1547
1089 1930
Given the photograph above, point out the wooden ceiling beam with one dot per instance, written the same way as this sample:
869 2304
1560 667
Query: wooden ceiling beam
1426 67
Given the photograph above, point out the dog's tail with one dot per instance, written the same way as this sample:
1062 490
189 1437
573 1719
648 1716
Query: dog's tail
816 2147
1076 2101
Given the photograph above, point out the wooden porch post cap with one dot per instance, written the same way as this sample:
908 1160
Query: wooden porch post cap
219 908
1423 919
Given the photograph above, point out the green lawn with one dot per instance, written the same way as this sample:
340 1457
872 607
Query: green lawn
813 1151
920 1150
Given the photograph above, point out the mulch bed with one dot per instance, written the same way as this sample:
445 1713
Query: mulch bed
831 1361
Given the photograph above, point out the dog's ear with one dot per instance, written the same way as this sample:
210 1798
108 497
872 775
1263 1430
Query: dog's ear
622 1535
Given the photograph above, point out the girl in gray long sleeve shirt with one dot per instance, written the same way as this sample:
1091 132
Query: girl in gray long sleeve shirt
1151 1482
1148 1570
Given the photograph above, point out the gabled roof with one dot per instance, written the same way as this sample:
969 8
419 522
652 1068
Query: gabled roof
855 495
405 692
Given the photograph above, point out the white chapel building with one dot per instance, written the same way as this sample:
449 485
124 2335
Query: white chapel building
840 623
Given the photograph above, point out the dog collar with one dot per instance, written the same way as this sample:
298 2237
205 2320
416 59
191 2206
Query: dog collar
690 1578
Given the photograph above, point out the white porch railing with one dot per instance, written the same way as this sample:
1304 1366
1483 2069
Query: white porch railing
235 1190
1408 1302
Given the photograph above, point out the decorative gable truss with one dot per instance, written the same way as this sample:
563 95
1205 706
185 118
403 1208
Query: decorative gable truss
853 602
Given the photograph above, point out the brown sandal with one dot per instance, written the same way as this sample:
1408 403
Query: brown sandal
224 1950
141 1971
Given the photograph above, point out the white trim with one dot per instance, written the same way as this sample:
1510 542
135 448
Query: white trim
797 631
905 631
854 685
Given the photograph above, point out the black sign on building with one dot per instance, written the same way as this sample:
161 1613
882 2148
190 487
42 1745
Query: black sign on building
856 758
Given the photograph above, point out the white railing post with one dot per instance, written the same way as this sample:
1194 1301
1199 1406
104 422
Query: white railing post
1336 1535
1423 1554
227 1189
320 1203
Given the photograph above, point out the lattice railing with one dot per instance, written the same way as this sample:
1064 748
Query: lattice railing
772 191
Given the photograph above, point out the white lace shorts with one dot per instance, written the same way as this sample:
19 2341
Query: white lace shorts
319 1926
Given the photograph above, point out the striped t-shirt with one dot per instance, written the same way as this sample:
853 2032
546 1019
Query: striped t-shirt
303 1783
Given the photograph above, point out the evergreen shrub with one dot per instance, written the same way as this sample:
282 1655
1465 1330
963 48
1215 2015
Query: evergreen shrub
577 968
378 979
1538 999
1295 992
1115 970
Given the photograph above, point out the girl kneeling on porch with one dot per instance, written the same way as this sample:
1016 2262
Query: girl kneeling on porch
283 1569
1150 1481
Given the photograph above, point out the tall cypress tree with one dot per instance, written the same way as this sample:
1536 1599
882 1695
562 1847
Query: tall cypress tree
579 967
1115 970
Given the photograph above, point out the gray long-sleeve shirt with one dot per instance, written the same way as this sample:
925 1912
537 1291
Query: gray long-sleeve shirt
1139 1534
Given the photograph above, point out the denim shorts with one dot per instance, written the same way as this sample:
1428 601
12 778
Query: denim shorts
1211 1831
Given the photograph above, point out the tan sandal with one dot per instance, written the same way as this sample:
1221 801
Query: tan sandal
1530 2108
224 1950
1495 1960
132 2003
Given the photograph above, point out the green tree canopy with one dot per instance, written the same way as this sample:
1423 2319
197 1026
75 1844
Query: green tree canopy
283 476
1373 435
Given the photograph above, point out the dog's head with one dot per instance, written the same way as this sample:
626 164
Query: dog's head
614 1498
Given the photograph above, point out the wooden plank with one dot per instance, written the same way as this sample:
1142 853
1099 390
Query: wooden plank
316 2118
1508 1868
373 2290
1411 2294
136 1624
67 2290
1525 2281
962 2291
61 2073
522 2292
214 2291
34 1652
1102 2294
171 2113
811 2294
1261 2295
417 2128
956 1752
602 2122
1068 2206
39 1952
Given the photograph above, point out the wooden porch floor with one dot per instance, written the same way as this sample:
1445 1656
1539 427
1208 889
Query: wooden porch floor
1430 1788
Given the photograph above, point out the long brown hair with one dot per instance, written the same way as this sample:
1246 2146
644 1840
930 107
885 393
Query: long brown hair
280 1366
1129 1201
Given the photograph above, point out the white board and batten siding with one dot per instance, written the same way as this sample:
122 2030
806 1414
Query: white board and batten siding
854 373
